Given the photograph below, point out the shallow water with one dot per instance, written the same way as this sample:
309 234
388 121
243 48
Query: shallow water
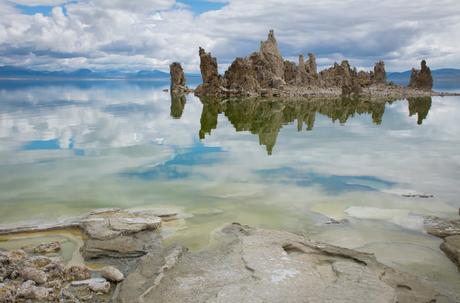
69 147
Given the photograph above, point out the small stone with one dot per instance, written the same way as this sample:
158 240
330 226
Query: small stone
77 272
47 248
102 287
33 274
112 274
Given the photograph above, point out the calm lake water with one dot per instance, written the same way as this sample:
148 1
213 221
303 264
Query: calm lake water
67 148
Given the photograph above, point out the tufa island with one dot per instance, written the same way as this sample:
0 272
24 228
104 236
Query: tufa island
266 74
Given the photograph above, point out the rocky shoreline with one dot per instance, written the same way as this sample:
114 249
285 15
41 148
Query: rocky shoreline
267 74
242 262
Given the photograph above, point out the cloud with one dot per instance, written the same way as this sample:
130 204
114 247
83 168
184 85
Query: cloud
103 34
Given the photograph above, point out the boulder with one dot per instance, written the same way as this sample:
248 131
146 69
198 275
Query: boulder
451 247
112 274
275 266
110 224
28 290
15 256
33 274
421 79
77 272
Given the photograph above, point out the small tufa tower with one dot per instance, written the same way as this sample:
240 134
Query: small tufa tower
421 79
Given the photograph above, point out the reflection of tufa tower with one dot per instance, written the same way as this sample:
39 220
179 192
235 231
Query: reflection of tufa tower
177 105
265 118
420 106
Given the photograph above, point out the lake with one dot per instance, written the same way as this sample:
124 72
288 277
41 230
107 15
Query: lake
69 147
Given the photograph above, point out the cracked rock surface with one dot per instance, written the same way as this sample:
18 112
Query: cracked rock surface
255 265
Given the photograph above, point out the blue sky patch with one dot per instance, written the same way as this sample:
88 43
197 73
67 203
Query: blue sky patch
333 184
42 144
201 6
32 10
52 144
181 165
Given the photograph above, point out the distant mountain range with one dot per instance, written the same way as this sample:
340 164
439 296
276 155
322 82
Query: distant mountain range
441 76
12 72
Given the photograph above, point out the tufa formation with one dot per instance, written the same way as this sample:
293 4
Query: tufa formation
178 85
265 73
421 79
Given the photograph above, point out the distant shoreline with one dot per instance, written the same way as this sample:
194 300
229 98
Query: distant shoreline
81 79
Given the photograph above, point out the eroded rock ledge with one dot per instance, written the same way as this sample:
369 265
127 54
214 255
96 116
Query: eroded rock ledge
255 265
265 73
242 264
449 231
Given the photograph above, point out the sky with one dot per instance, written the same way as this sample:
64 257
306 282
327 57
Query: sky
150 34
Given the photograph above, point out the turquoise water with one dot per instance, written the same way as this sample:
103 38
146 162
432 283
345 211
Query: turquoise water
69 147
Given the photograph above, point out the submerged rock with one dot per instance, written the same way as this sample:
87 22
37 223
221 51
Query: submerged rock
47 248
274 266
421 79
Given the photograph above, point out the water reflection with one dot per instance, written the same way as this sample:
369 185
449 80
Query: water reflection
66 149
177 105
265 118
420 107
